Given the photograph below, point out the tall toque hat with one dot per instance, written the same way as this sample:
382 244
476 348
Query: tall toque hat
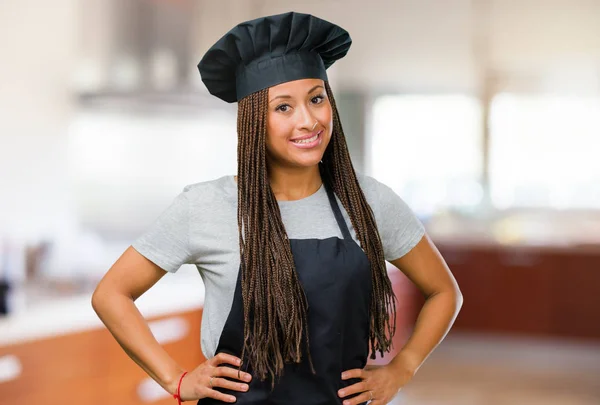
267 51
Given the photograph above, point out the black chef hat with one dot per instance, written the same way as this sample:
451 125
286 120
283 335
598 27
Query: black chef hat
267 51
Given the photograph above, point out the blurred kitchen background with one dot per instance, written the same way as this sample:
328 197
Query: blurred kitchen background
484 115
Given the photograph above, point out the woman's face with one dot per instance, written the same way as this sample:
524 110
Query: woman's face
299 123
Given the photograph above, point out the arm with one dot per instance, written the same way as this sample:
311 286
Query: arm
113 300
426 268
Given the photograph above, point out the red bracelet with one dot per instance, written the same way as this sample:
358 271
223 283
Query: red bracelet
177 395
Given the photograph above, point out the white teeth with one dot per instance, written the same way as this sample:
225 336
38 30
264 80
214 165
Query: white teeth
309 140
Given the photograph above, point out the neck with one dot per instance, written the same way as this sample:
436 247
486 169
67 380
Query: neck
290 184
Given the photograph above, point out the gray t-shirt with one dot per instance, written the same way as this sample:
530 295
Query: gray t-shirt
200 227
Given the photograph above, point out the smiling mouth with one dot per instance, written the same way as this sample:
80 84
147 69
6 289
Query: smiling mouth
309 140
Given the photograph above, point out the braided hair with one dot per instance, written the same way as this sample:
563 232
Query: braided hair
275 306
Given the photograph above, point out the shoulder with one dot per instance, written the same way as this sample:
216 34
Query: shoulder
216 191
398 226
372 188
367 183
383 199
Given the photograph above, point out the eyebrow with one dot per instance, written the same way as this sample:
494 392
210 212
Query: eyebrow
288 96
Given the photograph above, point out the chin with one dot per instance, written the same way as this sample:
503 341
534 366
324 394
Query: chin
308 164
307 161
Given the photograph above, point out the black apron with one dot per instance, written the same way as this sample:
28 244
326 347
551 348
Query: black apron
336 277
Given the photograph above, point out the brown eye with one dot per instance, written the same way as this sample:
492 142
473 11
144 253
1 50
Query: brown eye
282 107
318 99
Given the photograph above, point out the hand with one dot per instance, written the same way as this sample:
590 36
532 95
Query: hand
200 382
382 382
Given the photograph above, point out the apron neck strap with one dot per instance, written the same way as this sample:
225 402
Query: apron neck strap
336 211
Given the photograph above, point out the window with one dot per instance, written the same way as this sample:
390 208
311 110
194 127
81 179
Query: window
544 151
428 149
127 168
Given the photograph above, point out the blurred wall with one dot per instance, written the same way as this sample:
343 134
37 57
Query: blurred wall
38 43
422 46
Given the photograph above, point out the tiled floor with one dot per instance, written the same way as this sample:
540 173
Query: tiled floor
474 370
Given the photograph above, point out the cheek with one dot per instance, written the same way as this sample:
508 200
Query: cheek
327 119
277 131
326 116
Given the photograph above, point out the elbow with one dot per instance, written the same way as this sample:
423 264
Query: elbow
458 299
96 300
101 297
107 298
458 296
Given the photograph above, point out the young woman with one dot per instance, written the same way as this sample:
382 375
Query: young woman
292 250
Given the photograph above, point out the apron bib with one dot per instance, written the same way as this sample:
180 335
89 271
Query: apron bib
336 277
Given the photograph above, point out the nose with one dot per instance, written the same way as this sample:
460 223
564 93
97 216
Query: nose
306 119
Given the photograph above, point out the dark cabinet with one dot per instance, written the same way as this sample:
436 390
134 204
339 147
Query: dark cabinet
529 290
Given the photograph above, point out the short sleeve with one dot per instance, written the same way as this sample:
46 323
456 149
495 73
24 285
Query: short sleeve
399 228
166 242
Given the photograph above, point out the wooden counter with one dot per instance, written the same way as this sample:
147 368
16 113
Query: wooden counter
90 368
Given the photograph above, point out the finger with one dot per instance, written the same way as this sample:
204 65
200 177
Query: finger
231 385
232 373
354 373
224 358
359 399
210 393
352 389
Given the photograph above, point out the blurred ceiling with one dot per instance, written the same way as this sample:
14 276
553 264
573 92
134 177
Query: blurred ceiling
398 45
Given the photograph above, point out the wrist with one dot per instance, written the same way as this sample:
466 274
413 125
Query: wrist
172 383
406 362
